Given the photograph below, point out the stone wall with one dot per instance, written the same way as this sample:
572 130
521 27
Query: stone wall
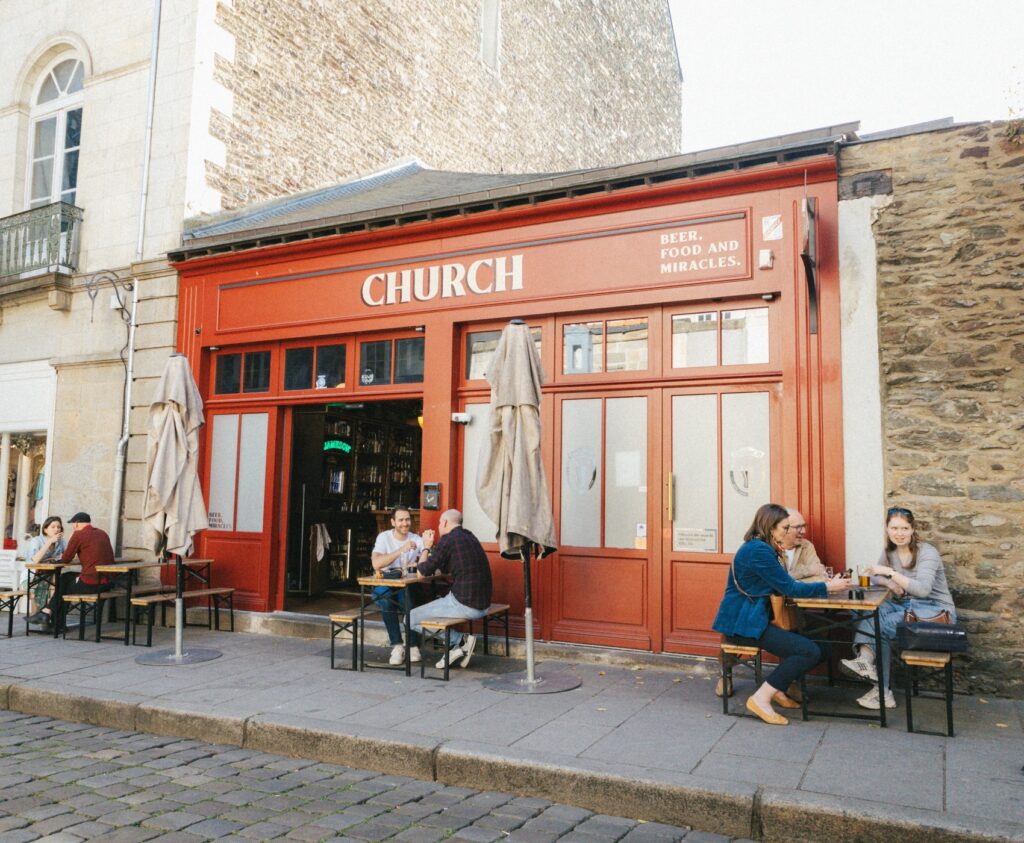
951 342
323 91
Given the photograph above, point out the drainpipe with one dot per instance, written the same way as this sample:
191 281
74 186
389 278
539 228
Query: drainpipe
122 443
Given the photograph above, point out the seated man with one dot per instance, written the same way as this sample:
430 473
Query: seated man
460 555
92 547
802 560
394 550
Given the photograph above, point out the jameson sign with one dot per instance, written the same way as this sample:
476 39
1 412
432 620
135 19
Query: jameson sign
445 281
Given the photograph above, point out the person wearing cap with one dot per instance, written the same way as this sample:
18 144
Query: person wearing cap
92 547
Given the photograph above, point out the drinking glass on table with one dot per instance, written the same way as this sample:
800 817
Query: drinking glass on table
829 572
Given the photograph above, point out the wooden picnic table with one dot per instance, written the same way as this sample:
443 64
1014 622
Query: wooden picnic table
396 583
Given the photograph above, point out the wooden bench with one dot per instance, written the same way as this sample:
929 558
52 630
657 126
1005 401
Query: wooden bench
89 604
8 603
213 596
349 621
496 611
499 613
931 663
733 655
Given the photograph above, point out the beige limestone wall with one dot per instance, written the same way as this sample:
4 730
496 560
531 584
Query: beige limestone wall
325 90
951 338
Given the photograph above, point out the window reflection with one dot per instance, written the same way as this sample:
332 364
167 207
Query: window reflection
694 340
583 344
480 347
229 374
744 336
409 360
627 345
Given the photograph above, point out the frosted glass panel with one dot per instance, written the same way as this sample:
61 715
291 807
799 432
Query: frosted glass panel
581 473
694 340
746 463
224 452
695 473
252 468
625 495
745 336
476 432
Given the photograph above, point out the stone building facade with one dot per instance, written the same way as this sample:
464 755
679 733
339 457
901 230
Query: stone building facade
945 213
252 100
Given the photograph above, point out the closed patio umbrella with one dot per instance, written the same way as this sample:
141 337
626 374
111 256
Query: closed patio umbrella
511 486
173 508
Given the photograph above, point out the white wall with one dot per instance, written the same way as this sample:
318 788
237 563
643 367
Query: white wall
862 400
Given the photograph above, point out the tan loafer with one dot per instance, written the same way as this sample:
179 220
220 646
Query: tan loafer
793 692
720 689
773 718
785 701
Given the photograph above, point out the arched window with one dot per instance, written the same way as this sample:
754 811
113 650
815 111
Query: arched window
56 134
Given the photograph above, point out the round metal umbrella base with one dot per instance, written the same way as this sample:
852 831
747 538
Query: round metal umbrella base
167 658
519 683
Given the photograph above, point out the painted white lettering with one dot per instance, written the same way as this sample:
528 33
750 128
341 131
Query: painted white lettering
679 236
433 280
398 290
471 281
724 246
452 275
515 274
681 251
368 298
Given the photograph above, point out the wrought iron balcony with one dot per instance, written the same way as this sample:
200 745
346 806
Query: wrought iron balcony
43 240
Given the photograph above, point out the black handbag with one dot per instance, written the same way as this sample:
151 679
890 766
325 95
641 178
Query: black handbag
925 635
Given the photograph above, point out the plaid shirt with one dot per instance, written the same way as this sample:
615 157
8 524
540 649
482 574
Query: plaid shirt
460 555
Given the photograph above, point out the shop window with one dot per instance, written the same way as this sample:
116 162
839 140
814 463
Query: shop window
248 372
256 371
409 360
375 363
741 334
299 369
238 457
480 347
618 345
229 374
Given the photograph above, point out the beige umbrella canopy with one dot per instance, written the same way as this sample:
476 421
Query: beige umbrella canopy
173 509
511 486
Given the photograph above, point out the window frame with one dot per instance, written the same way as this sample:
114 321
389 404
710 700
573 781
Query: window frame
654 364
719 369
57 108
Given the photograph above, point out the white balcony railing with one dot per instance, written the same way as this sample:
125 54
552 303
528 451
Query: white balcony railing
41 240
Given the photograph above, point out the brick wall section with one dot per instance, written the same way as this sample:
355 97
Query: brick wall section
331 89
951 325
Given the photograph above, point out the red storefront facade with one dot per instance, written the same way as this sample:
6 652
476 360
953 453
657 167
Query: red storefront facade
693 373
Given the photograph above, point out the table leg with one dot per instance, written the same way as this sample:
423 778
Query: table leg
881 670
128 607
59 618
362 627
407 603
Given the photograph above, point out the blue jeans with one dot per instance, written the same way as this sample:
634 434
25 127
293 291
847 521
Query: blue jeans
391 602
443 607
890 613
797 654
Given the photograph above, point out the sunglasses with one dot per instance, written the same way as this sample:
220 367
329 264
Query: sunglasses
898 510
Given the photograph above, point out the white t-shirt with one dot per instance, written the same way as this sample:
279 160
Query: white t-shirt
387 542
789 558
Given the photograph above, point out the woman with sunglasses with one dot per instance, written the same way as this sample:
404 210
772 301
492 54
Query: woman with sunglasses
913 571
743 616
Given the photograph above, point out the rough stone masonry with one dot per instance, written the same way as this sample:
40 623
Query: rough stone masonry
951 341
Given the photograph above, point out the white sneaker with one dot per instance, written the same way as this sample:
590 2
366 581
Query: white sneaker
414 655
870 699
468 645
454 654
397 654
860 666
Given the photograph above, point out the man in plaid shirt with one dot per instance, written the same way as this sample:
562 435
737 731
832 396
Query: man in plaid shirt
460 555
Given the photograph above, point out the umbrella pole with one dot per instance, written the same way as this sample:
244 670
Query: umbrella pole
179 606
528 613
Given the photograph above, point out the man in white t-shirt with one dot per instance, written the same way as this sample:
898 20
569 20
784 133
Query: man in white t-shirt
394 550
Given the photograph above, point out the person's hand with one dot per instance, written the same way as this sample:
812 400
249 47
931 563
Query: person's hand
881 571
837 584
409 545
428 539
894 587
52 540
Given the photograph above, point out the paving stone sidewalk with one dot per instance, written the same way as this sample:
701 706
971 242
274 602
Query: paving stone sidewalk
643 742
62 781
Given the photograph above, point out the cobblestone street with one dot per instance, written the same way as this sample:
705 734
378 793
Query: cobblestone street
62 781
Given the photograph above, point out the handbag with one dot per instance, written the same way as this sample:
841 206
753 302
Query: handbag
945 616
783 616
926 635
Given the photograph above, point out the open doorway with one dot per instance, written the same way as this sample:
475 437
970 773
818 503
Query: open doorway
350 464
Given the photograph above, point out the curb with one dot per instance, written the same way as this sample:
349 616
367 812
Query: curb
773 815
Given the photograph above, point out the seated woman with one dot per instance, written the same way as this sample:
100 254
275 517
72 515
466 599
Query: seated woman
48 546
913 571
755 575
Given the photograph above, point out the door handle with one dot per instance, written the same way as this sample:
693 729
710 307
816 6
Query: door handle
670 507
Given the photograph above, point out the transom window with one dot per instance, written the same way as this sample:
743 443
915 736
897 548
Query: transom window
328 373
242 372
56 135
615 345
383 362
726 338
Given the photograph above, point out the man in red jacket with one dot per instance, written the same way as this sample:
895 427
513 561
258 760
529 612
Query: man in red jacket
92 547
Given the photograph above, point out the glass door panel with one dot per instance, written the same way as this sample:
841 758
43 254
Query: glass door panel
625 499
581 473
693 497
746 463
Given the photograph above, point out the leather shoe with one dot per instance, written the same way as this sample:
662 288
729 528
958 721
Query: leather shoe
723 688
793 692
771 717
784 700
